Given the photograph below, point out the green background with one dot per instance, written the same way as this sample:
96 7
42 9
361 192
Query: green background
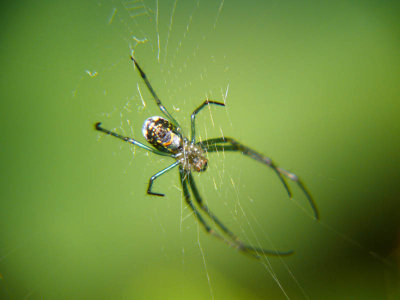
315 86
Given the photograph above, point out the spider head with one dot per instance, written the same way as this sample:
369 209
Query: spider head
200 163
196 159
192 157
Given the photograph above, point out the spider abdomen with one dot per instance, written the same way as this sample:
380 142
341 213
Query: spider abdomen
162 134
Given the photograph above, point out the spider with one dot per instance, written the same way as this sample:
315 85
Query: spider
164 134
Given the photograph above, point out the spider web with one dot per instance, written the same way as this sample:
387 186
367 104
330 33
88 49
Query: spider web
175 38
136 246
181 42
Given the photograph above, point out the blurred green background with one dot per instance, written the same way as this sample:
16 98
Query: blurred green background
315 86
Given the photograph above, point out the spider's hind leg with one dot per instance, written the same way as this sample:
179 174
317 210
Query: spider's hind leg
155 97
132 141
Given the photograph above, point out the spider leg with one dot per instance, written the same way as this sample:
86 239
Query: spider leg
300 183
153 93
130 140
209 230
211 145
237 242
186 194
197 110
205 208
155 176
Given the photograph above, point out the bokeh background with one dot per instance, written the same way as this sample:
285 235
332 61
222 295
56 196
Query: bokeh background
315 86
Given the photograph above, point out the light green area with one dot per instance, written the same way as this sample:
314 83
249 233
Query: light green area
315 86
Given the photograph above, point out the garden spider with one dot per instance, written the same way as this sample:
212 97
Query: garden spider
166 138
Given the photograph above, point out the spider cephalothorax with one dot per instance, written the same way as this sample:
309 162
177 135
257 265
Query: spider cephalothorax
192 157
166 138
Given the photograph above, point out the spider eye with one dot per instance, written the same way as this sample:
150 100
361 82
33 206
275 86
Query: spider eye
201 165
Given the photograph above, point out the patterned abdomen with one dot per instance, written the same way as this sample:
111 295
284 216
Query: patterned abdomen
162 134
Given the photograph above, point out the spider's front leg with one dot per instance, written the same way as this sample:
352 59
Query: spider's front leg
236 242
184 182
230 144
